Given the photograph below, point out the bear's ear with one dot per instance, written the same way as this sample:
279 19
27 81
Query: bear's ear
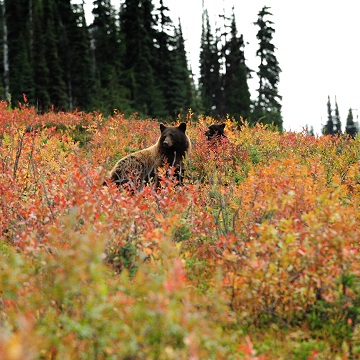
162 127
182 127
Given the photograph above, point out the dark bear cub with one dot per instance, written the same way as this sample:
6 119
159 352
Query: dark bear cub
215 131
141 167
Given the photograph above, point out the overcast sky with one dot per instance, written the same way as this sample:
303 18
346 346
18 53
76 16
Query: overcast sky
317 45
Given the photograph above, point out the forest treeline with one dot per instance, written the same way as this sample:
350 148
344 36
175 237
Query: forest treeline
333 124
132 59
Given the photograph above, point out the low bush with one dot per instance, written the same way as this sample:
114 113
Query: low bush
255 257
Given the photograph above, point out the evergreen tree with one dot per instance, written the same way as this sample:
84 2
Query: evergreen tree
137 26
180 95
236 94
162 60
267 106
351 127
45 57
105 37
41 72
56 82
74 40
311 131
209 81
107 51
337 121
155 102
20 76
329 126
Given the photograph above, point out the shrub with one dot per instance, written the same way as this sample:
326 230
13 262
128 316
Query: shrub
257 248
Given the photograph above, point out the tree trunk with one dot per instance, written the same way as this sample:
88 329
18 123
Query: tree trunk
5 54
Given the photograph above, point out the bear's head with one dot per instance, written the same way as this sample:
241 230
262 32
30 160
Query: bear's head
173 140
215 131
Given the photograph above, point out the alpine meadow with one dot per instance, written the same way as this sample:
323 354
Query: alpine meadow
255 256
247 248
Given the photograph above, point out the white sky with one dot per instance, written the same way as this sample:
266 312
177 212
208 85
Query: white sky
317 45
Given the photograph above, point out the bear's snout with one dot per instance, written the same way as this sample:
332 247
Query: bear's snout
167 143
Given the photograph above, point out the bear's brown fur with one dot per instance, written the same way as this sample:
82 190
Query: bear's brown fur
142 166
215 131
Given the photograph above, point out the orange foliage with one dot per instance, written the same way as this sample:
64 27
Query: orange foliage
269 221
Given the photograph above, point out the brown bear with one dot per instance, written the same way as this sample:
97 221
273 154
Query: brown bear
142 166
215 131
